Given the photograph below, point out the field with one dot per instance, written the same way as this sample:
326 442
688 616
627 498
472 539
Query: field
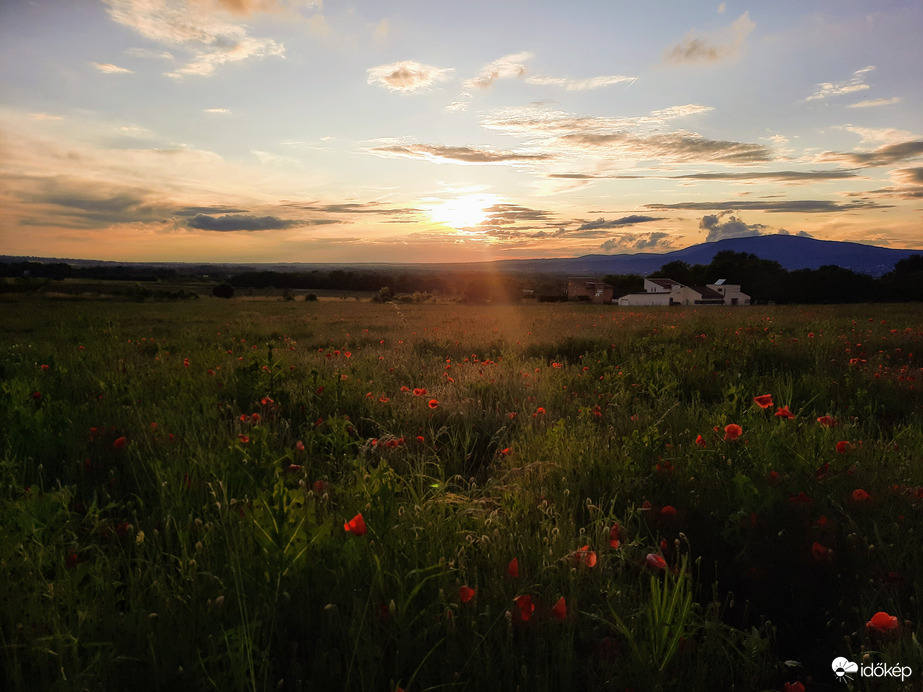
258 494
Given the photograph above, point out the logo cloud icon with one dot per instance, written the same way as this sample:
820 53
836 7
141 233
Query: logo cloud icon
841 666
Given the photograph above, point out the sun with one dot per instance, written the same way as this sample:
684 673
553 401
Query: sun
465 211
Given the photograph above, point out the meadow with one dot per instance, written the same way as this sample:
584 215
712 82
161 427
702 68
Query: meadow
260 494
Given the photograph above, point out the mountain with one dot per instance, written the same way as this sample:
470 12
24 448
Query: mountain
791 251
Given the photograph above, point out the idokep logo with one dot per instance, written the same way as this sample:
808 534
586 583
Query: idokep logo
842 668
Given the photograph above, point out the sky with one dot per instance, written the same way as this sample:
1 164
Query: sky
429 131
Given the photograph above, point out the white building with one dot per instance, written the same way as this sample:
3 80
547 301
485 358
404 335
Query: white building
669 292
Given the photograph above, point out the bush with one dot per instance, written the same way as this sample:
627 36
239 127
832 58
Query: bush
224 290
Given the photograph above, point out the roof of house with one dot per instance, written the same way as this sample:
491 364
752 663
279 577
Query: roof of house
707 293
665 283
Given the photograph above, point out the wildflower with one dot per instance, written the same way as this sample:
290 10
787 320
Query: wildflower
525 605
505 451
732 431
356 525
763 400
319 487
421 439
700 441
46 368
512 568
119 442
255 418
883 623
668 511
37 396
465 594
299 446
560 609
585 556
71 560
860 495
418 391
540 411
794 686
615 539
433 403
783 412
655 562
244 438
827 421
842 447
819 552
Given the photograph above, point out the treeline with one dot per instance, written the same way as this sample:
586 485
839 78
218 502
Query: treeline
768 281
58 271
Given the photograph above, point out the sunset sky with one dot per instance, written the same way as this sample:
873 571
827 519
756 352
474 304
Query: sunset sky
429 131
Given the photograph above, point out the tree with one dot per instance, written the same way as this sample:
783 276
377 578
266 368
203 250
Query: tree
224 290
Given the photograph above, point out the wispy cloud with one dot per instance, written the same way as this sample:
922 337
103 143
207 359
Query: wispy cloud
635 242
503 68
803 206
407 76
108 68
883 156
245 222
618 223
580 84
218 111
211 31
853 84
448 154
874 103
712 48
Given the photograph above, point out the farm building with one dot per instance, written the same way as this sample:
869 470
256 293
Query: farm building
593 290
669 292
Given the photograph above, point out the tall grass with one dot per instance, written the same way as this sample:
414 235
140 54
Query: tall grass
176 482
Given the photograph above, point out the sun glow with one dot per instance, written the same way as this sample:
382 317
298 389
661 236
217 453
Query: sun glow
465 211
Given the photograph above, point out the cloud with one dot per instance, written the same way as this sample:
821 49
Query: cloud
462 155
244 222
883 156
639 242
407 76
711 49
580 84
776 176
800 234
108 68
218 111
508 214
734 227
618 223
803 206
622 139
503 68
876 102
200 28
853 84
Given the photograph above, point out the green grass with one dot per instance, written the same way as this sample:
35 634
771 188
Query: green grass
174 487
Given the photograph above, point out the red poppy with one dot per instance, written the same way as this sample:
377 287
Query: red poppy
319 487
668 511
299 446
465 594
433 403
793 686
540 411
827 421
700 441
46 368
513 568
560 609
119 442
732 431
860 495
655 562
244 438
763 400
783 412
843 446
883 623
615 539
356 525
819 552
525 605
585 556
419 391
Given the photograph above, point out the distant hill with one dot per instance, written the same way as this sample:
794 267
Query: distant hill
792 252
